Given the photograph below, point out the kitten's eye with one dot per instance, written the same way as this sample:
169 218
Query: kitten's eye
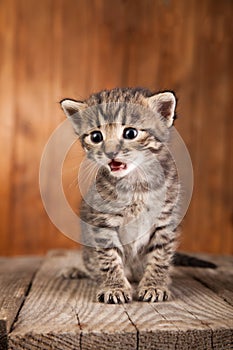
130 133
96 136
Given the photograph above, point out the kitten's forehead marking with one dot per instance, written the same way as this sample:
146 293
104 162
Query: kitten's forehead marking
118 112
112 131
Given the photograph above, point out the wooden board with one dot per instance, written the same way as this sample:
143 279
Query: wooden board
195 318
219 280
16 276
63 314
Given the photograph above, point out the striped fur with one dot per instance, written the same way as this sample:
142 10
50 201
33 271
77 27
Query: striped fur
129 217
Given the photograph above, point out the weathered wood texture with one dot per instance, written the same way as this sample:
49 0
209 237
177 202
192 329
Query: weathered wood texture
16 275
62 314
51 49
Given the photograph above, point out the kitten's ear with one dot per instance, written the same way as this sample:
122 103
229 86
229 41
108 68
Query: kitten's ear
72 110
163 104
70 107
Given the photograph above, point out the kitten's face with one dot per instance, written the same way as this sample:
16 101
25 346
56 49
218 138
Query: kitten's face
120 128
119 148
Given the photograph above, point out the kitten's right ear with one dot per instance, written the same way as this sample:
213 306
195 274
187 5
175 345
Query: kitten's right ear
73 110
70 107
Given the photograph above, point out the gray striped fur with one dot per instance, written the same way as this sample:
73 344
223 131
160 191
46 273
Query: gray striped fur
129 221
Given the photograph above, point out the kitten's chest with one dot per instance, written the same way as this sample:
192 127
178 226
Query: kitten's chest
137 223
143 205
140 219
135 206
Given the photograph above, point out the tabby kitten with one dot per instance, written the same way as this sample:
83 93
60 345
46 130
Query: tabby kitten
130 214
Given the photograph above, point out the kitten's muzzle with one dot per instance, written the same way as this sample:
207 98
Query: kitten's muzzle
111 149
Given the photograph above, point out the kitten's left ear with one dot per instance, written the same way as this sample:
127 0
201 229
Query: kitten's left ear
163 104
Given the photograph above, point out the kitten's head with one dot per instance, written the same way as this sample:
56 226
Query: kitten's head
121 128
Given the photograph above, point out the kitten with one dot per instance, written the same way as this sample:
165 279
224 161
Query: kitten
130 215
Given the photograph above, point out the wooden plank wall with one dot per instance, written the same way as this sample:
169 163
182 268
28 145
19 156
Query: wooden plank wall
51 49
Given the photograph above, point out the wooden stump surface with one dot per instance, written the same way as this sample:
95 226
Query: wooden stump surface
39 309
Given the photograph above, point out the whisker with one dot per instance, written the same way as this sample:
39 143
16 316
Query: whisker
88 174
87 171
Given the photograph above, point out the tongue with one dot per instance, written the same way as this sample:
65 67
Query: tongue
115 166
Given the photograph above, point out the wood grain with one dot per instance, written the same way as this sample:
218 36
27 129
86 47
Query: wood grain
16 275
7 117
189 320
219 280
208 308
54 49
57 306
63 314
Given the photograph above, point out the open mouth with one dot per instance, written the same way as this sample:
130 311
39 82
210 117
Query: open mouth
117 166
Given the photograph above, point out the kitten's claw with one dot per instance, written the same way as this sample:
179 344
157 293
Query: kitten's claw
114 296
151 294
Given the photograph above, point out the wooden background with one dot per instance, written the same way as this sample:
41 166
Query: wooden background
51 49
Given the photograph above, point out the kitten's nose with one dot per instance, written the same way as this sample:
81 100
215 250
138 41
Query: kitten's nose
111 149
111 155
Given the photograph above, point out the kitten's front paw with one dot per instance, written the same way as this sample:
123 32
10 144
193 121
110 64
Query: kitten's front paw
153 294
110 295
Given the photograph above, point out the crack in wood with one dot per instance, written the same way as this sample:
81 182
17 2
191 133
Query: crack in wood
24 299
164 316
81 331
135 326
